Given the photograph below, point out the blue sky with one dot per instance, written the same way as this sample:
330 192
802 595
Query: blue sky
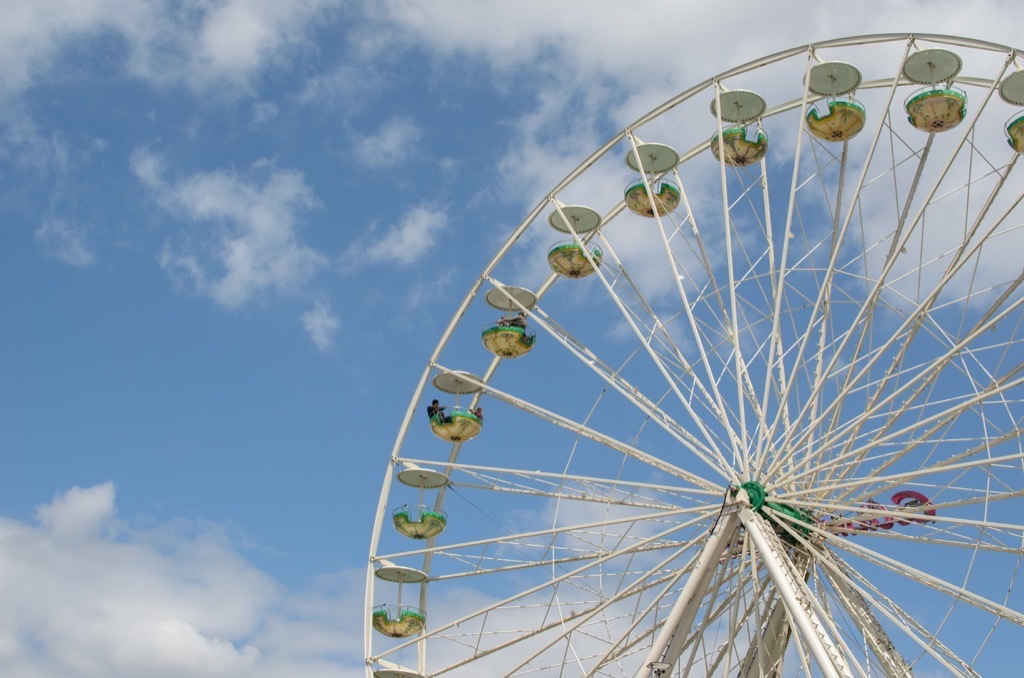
230 235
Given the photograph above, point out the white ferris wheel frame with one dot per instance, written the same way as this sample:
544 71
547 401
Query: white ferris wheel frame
800 618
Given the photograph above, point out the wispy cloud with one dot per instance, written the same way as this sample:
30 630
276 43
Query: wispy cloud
251 243
86 595
263 113
65 241
403 244
321 324
390 145
586 75
222 44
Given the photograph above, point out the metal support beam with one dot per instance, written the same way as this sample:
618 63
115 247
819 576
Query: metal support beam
874 634
796 596
676 629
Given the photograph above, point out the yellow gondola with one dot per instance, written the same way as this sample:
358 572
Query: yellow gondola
1015 132
400 622
459 425
836 120
420 522
665 200
743 146
937 110
568 260
507 341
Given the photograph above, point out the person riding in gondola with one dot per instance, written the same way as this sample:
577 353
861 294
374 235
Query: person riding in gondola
518 320
436 409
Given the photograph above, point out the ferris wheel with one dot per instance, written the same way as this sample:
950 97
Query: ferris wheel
761 416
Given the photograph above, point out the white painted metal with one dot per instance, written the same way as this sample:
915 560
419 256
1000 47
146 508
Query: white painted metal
574 219
510 298
833 78
831 657
780 361
679 624
654 159
765 655
932 66
875 635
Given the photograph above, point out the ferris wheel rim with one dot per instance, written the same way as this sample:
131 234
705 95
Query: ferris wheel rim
486 276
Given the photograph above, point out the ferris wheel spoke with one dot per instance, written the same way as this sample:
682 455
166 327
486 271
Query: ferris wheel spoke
579 621
587 432
866 599
624 642
711 398
837 236
564 485
925 428
821 315
605 492
968 542
706 450
863 319
929 581
744 387
551 584
899 239
653 325
859 598
583 617
556 626
933 510
536 548
874 521
910 443
897 406
751 316
743 603
711 294
775 362
944 471
745 392
922 378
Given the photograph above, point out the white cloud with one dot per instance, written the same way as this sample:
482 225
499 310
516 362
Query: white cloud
252 244
79 512
321 324
403 244
426 293
665 41
390 145
590 73
263 113
200 46
84 596
148 167
344 87
65 241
